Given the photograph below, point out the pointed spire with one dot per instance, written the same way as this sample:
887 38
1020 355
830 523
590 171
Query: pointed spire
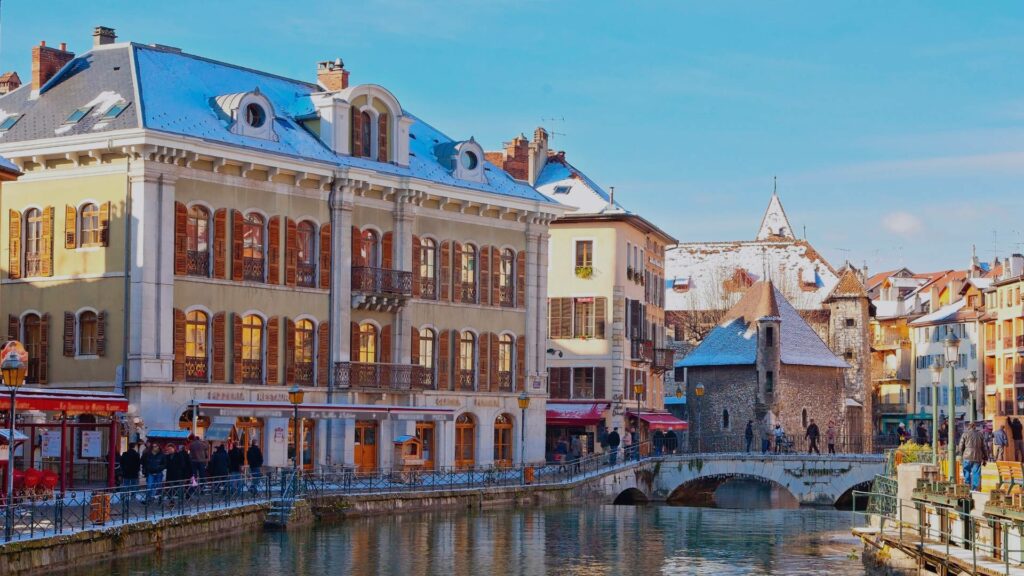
775 224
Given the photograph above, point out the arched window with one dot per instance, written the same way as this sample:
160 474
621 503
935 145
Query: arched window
467 274
428 341
33 242
465 441
506 345
33 340
197 238
252 349
305 334
725 418
503 441
90 231
369 248
88 333
467 360
305 244
428 269
506 278
367 343
252 248
196 342
366 137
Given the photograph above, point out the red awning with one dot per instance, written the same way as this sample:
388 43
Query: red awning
576 414
74 401
662 421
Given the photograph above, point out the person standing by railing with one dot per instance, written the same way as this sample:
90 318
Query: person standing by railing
613 445
811 434
255 458
576 452
236 459
972 450
780 435
153 465
199 452
627 445
830 437
131 464
748 434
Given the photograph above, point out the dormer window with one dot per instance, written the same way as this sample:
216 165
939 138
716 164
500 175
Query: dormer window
469 160
77 115
115 110
463 159
249 114
255 115
562 189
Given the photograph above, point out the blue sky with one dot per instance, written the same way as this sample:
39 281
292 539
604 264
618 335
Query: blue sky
896 130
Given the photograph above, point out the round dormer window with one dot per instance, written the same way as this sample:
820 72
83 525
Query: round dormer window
469 160
255 115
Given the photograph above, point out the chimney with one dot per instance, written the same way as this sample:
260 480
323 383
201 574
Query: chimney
1016 265
9 82
538 154
102 35
47 61
332 75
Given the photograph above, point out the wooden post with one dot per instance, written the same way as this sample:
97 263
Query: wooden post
63 445
111 452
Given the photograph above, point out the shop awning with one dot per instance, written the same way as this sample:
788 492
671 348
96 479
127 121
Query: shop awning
661 421
324 411
168 434
72 401
18 436
575 414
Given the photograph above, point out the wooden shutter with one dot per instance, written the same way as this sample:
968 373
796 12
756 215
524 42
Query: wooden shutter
416 263
14 245
484 354
558 382
13 327
559 318
289 351
178 368
180 241
274 250
485 276
600 315
387 247
495 275
105 224
385 345
456 271
519 280
600 377
353 341
70 227
520 363
291 251
444 351
236 348
356 134
219 346
220 244
553 305
446 270
382 138
323 354
237 242
273 347
493 359
414 343
101 334
44 349
69 334
325 256
357 245
456 358
46 266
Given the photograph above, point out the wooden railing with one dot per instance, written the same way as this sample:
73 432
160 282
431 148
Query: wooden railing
383 376
383 281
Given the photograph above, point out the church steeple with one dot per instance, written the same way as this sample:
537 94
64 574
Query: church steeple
775 224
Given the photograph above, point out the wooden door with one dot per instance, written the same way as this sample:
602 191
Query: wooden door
465 441
425 432
366 445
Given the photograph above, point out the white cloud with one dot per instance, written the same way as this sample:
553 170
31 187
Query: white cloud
903 224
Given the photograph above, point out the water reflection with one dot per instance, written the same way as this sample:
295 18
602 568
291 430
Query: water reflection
748 494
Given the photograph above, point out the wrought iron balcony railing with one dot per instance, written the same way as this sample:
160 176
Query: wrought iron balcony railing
465 380
506 296
195 369
465 292
252 371
252 269
383 281
197 263
383 376
428 287
505 381
304 372
641 350
305 275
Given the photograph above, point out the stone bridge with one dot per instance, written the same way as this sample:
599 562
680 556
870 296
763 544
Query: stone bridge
693 478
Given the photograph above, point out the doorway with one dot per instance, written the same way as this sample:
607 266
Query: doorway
425 432
366 445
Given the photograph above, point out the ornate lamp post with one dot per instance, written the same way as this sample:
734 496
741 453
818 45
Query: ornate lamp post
524 403
14 371
952 349
936 380
295 395
970 390
638 389
699 393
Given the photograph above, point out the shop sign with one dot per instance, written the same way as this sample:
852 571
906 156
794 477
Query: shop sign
233 395
487 402
271 397
447 401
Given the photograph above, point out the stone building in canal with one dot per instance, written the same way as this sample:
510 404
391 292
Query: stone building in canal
202 236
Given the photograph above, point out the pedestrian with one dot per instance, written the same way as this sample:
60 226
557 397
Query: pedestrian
219 464
131 465
1016 432
179 470
922 434
561 453
255 458
627 445
999 442
811 434
659 442
830 437
153 465
943 432
576 452
236 459
748 434
766 437
972 451
901 432
613 445
780 435
199 453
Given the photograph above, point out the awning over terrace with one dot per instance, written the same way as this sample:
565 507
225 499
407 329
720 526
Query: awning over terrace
575 414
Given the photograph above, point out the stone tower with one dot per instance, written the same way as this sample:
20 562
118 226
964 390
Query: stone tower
849 323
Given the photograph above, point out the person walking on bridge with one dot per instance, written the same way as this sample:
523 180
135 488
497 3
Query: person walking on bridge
812 434
972 450
1017 433
748 434
830 437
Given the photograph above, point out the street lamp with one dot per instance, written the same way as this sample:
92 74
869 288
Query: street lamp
638 389
936 380
295 395
952 348
524 403
699 393
13 370
971 386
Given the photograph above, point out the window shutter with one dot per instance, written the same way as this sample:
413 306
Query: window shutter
237 242
382 138
180 240
565 318
101 334
357 253
105 224
291 251
178 368
600 313
443 360
493 359
387 247
14 245
456 271
599 382
13 327
414 350
456 358
236 348
69 334
487 365
485 276
353 341
274 250
558 382
355 136
325 256
446 270
220 244
70 227
289 351
495 274
416 262
47 243
44 349
519 280
273 347
385 345
520 363
323 354
553 311
219 347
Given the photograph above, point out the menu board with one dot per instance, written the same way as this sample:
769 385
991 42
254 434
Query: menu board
51 443
91 441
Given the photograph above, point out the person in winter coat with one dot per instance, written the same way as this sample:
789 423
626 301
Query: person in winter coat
627 445
255 458
131 465
830 437
972 450
219 464
153 465
179 470
199 453
812 434
999 443
236 459
613 445
748 434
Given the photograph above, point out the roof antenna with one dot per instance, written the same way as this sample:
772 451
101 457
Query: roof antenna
805 232
611 198
775 185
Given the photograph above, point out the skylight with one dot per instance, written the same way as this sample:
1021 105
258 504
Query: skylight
78 114
9 122
562 189
115 110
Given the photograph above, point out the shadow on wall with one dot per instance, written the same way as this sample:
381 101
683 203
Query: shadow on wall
630 497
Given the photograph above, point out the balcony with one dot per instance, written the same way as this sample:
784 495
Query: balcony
505 383
428 287
252 372
33 265
305 275
387 377
1020 341
252 269
901 373
664 360
465 292
506 297
465 380
380 289
887 340
892 407
195 369
197 263
641 350
304 373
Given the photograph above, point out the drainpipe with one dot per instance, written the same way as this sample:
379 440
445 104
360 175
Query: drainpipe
127 212
330 325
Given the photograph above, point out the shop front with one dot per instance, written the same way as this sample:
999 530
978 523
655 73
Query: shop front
568 420
654 426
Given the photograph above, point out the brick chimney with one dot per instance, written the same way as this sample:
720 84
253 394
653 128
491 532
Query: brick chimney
9 82
102 35
332 75
46 61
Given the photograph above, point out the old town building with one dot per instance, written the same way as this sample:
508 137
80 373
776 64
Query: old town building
201 236
1002 328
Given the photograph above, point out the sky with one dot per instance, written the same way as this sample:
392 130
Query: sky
895 129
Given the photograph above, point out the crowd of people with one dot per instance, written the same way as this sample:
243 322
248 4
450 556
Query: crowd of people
172 468
775 439
570 450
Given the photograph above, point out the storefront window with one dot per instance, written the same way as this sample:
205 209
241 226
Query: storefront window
503 441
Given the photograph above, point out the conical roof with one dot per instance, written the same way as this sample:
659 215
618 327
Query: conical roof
775 224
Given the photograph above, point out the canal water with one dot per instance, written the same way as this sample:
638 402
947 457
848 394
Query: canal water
764 535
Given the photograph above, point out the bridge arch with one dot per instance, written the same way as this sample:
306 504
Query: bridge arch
700 491
630 496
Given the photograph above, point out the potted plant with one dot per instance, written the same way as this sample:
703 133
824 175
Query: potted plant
585 272
629 273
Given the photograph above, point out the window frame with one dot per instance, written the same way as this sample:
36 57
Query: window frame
369 343
33 243
84 318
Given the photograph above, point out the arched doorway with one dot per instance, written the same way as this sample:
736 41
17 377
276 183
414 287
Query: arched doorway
465 441
366 445
185 422
503 441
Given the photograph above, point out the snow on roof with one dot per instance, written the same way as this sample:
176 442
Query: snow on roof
566 184
981 283
946 313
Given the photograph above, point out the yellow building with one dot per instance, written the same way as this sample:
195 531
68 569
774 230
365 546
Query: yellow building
202 236
1003 347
